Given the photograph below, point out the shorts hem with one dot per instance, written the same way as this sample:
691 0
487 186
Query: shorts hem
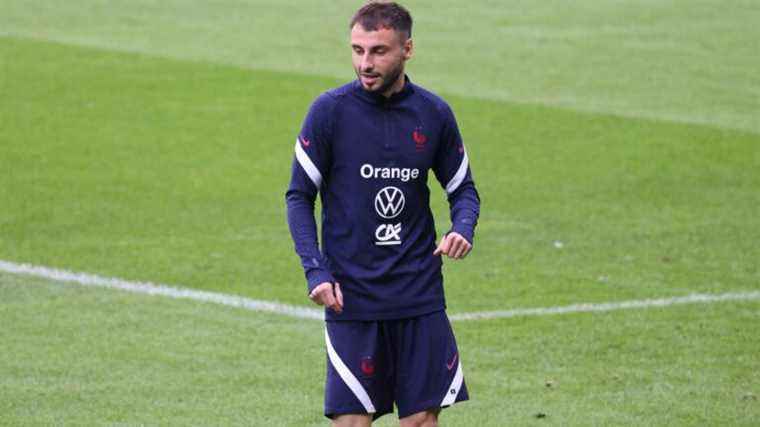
332 413
422 408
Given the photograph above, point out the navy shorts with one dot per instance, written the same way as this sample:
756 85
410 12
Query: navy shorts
371 365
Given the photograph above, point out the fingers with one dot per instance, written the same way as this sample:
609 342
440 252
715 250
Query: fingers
316 293
338 297
444 246
453 245
328 298
331 299
460 248
325 294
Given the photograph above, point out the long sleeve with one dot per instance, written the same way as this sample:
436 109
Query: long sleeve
309 171
452 169
303 230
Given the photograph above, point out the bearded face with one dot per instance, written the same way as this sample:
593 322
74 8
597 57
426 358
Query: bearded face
379 57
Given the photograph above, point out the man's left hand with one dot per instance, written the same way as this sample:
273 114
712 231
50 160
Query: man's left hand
453 245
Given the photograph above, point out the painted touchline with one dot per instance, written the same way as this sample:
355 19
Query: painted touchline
159 289
317 314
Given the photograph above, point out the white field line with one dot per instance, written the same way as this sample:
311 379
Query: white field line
313 313
159 289
610 306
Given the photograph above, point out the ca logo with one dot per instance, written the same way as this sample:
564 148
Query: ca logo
388 234
389 202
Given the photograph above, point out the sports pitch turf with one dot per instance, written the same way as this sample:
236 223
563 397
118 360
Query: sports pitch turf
163 154
104 357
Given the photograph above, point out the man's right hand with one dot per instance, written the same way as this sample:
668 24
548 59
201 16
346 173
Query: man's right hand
328 295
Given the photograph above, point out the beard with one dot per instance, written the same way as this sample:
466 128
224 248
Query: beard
387 80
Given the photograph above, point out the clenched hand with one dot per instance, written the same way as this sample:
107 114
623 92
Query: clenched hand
454 245
328 295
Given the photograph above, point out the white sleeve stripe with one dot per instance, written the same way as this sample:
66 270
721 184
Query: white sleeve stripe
456 181
453 391
308 166
348 377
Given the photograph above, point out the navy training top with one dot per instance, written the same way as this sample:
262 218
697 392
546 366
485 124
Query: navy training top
368 157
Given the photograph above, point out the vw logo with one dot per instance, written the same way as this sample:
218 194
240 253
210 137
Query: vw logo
389 202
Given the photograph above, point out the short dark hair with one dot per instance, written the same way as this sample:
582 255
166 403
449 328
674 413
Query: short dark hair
380 14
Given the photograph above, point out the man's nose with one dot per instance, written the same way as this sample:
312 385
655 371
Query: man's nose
367 63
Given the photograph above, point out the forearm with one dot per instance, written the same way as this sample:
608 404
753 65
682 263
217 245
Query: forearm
464 205
303 230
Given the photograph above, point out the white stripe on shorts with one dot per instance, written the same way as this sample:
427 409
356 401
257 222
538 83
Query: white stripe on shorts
348 377
453 390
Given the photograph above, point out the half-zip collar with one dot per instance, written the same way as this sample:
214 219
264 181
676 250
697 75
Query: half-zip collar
379 99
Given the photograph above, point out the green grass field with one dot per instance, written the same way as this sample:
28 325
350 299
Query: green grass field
152 141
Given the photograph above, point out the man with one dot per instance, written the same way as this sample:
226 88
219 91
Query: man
366 148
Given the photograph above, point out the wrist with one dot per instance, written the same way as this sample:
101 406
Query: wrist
316 277
464 231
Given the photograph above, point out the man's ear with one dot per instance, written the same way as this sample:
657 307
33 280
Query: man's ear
408 49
